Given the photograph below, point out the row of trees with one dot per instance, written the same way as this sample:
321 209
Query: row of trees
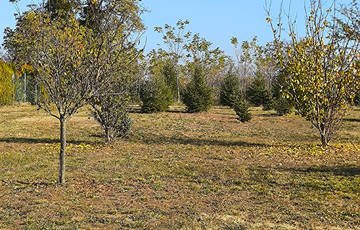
318 74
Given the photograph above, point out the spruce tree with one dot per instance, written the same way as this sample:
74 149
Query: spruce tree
155 95
170 75
197 96
241 108
280 104
230 90
257 93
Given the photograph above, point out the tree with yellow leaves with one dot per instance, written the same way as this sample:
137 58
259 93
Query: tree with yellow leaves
321 68
73 62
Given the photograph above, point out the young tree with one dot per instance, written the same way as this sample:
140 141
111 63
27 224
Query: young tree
155 95
213 61
110 111
241 108
257 93
156 92
170 75
197 96
322 68
71 61
230 90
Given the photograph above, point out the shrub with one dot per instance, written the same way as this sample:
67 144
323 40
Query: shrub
110 111
197 96
241 108
229 90
155 95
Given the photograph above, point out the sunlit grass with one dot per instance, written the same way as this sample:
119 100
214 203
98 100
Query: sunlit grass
179 171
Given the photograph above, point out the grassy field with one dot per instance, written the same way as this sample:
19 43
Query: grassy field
179 171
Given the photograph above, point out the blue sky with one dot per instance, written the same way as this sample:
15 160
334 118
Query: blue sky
216 20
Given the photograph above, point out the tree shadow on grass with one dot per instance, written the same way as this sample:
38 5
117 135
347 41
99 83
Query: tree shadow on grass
25 140
344 170
352 119
157 139
20 184
349 170
270 115
177 111
134 109
171 110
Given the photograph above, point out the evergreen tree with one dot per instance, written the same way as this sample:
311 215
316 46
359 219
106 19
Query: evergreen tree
280 104
241 108
230 90
155 95
257 93
197 96
170 75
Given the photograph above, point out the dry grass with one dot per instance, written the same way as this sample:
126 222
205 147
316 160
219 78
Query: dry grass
179 171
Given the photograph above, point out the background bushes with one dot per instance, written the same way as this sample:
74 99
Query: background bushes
6 83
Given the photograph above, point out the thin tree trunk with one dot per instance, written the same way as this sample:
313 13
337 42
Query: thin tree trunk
178 89
25 88
324 140
62 150
107 132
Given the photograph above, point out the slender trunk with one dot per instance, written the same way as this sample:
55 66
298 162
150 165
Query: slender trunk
324 140
14 89
25 88
178 89
107 132
62 150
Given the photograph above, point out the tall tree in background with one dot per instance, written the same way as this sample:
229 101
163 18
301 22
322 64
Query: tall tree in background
322 68
73 63
245 56
169 71
175 37
214 63
187 50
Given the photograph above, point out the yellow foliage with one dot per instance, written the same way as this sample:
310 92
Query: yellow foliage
6 84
